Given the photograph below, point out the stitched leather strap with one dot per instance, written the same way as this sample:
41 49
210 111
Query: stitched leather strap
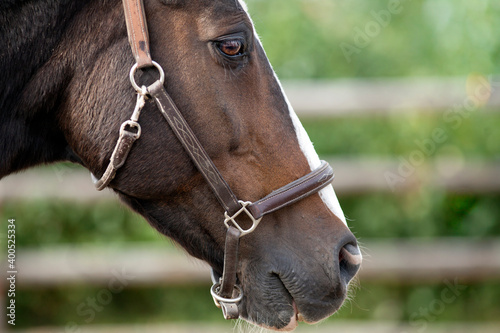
228 280
194 148
287 195
230 262
118 158
130 131
137 28
280 198
293 192
226 293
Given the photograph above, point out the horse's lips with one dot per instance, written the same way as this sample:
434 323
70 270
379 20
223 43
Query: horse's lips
294 319
296 314
294 322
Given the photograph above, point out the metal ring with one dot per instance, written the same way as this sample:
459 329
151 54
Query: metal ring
134 69
220 299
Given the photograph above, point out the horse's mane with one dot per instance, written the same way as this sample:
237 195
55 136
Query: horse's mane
29 33
6 4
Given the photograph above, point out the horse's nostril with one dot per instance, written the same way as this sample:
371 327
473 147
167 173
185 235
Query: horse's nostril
351 253
349 261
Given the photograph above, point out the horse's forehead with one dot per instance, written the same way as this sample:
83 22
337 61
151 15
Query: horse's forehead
239 4
214 5
212 17
221 7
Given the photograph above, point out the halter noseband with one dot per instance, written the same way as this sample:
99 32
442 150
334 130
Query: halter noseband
226 293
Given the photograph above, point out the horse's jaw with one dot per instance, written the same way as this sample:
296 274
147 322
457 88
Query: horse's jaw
297 273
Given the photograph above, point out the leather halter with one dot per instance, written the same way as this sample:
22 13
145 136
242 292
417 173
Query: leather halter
226 292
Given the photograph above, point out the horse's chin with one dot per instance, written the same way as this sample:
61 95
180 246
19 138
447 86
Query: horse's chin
294 319
292 325
280 305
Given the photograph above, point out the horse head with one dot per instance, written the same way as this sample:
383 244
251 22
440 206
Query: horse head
297 265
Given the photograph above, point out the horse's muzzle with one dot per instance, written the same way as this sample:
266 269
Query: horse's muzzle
298 288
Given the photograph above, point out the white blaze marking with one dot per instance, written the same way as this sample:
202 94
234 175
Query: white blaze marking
327 194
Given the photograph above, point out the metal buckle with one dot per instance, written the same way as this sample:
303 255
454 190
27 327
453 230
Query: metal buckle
255 222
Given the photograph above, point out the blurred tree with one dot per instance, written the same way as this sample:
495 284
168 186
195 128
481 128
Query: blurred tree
378 38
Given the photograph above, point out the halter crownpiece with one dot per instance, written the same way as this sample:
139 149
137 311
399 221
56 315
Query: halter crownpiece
225 291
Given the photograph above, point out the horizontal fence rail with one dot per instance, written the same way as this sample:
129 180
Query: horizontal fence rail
404 261
332 98
390 260
352 176
390 96
449 261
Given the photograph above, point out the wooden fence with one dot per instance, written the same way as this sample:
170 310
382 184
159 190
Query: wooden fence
352 176
386 260
355 175
400 261
391 96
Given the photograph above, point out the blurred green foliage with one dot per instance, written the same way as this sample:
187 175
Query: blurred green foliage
59 306
423 213
371 301
478 137
307 39
304 38
44 222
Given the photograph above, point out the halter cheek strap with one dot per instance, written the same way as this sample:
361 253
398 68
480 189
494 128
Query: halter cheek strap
138 36
226 293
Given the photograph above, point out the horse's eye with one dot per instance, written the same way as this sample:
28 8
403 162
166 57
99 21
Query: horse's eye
231 47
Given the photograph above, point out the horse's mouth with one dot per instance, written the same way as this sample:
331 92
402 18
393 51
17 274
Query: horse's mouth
283 310
296 316
294 319
279 297
288 306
